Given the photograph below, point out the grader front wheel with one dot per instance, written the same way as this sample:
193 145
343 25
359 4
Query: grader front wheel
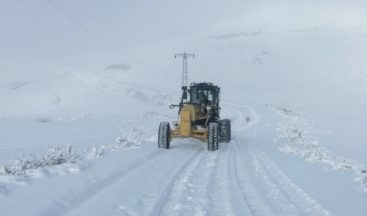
164 133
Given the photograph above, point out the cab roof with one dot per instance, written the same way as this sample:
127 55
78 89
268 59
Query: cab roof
205 86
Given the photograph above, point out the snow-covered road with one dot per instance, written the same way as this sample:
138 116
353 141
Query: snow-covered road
239 179
85 84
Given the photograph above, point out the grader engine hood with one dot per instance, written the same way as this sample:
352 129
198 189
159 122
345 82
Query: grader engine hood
187 116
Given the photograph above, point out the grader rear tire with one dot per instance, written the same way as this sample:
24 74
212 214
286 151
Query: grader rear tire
213 136
225 130
164 135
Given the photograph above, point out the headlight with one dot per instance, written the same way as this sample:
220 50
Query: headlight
208 108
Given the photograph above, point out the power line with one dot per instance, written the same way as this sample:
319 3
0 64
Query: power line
82 26
94 34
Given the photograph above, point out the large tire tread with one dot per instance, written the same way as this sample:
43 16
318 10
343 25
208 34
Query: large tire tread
164 135
213 136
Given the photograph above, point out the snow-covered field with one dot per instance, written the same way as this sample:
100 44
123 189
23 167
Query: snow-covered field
84 88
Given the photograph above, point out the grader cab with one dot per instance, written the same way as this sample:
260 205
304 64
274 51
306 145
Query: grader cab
198 118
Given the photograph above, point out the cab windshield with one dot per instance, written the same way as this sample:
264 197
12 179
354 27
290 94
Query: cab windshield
201 96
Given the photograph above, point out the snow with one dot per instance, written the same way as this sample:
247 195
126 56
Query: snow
292 136
82 95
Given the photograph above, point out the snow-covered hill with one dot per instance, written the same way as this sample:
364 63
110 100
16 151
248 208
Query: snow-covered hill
85 84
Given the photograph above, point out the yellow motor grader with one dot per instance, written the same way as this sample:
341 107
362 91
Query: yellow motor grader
198 118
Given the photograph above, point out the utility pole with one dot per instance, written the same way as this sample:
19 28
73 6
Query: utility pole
185 81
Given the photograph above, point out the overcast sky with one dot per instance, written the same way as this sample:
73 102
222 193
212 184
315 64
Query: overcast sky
38 30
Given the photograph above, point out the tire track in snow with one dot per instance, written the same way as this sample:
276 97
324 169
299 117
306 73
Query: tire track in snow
212 181
279 202
283 201
248 191
203 183
295 201
183 196
175 204
295 195
72 201
240 173
239 202
168 186
221 203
